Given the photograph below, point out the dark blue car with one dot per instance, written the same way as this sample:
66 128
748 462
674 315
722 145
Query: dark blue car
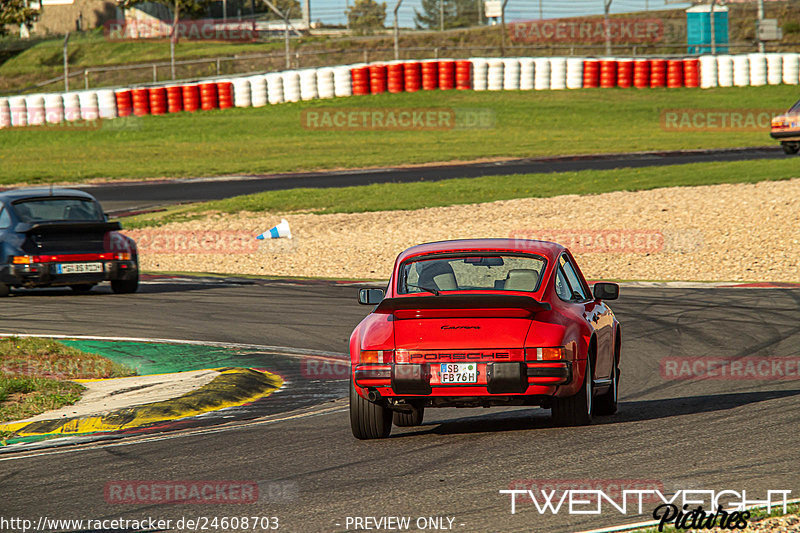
61 237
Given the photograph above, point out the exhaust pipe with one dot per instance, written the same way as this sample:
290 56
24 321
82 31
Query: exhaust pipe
373 395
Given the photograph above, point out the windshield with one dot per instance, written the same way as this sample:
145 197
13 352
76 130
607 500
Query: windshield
56 209
795 108
471 273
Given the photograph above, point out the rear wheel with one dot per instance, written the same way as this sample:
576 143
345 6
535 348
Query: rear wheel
5 290
575 410
606 404
790 148
368 420
410 418
125 286
82 288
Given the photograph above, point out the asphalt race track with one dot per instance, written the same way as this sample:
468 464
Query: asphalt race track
680 434
119 198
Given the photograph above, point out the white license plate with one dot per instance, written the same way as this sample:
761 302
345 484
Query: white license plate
78 268
458 373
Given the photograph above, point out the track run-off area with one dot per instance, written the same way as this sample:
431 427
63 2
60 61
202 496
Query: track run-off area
678 434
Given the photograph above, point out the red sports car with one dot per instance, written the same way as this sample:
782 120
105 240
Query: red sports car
479 323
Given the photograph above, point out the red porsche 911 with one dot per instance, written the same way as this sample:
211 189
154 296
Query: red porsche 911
479 323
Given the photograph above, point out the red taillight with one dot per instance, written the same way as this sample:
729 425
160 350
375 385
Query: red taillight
376 356
557 353
123 256
21 259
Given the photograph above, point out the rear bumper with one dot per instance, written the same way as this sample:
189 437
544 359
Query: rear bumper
45 274
535 379
791 135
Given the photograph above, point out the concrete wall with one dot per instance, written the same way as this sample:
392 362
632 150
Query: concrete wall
59 16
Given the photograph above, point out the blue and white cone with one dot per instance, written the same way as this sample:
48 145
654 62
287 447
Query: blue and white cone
281 230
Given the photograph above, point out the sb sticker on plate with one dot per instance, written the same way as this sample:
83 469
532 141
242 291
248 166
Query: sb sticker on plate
458 373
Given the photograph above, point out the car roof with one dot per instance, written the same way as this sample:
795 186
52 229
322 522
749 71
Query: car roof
12 195
549 250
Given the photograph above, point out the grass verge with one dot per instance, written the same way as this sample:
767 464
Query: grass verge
35 374
274 139
408 196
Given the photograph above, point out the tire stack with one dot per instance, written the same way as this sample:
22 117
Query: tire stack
575 72
412 76
34 106
342 82
674 73
395 77
724 70
291 86
480 74
511 74
308 84
791 69
107 104
273 83
641 74
360 80
526 73
241 92
5 113
377 79
158 100
495 75
691 72
625 73
758 69
174 98
190 94
741 70
89 108
124 102
541 73
658 73
708 72
53 108
447 75
72 106
430 75
591 73
19 112
225 94
208 96
463 75
326 84
558 73
608 73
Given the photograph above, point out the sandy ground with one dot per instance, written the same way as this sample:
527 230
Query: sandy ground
104 395
745 232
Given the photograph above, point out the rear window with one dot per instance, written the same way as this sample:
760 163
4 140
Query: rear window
57 209
472 273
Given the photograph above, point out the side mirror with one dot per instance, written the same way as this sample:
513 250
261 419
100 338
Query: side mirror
370 296
606 291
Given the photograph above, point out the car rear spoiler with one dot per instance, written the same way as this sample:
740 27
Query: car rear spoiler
65 226
462 305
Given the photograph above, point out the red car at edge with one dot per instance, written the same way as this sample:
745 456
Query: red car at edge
479 323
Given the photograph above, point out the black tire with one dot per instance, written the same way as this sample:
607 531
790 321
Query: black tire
606 403
368 420
5 290
409 419
575 410
790 148
82 288
125 286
